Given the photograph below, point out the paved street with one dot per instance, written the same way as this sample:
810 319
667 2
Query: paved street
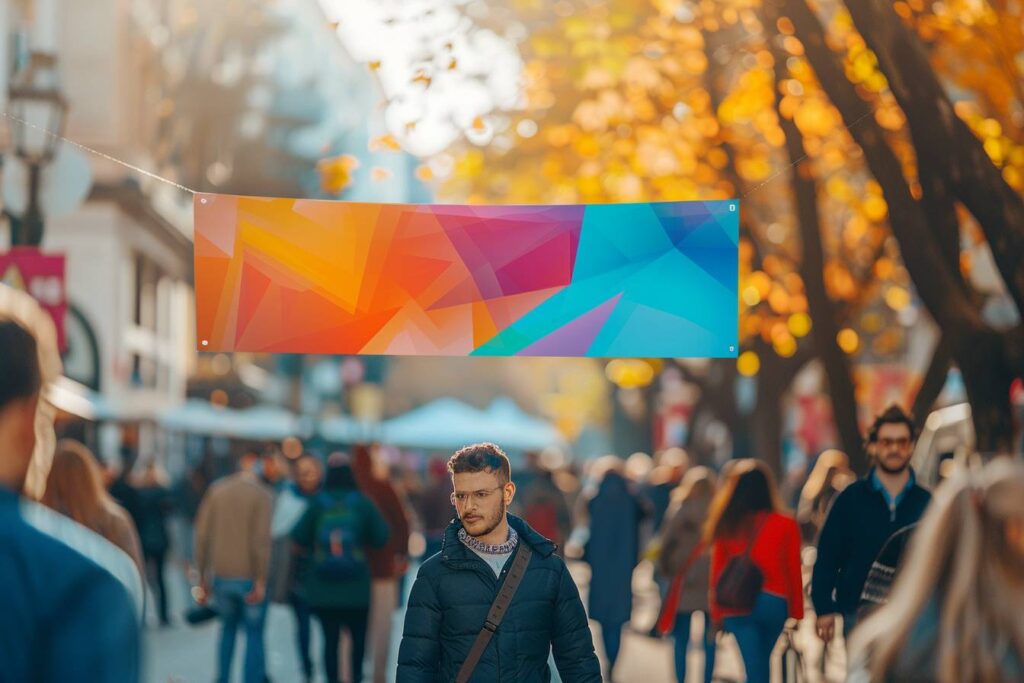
184 654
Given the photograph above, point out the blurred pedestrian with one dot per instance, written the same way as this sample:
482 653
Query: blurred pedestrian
75 489
680 540
274 470
287 509
189 493
756 581
829 477
955 611
120 486
335 533
448 632
614 512
154 500
862 519
545 509
308 475
663 480
387 564
433 506
232 551
67 611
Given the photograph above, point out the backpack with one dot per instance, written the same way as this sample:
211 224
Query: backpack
741 580
338 554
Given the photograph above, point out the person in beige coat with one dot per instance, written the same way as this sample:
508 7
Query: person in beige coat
232 552
679 536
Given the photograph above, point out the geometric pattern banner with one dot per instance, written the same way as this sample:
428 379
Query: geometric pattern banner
652 280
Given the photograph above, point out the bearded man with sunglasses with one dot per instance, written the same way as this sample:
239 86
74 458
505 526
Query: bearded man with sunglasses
496 602
862 518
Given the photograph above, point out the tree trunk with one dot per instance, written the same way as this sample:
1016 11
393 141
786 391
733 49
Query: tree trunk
938 285
717 401
942 140
933 382
824 314
987 380
766 423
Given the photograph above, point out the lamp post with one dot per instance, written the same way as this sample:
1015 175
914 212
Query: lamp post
35 98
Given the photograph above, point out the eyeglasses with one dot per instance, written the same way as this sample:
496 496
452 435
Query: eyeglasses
461 498
901 442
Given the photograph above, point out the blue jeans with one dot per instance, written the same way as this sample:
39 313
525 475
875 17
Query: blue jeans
849 621
681 634
611 634
303 622
229 600
757 632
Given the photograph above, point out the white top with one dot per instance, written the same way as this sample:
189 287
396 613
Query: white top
495 562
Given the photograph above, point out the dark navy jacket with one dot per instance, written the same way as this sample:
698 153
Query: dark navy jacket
450 600
62 616
859 523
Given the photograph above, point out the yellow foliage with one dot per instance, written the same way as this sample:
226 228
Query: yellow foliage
748 364
385 142
336 173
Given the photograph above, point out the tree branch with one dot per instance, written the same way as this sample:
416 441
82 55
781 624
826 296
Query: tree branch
937 284
838 369
933 382
943 142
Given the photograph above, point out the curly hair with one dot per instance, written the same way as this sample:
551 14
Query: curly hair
892 415
481 457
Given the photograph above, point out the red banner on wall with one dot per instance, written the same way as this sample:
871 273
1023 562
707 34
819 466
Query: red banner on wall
40 275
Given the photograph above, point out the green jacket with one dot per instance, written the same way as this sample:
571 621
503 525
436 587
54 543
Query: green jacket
370 531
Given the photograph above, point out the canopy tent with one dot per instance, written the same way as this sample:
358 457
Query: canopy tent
197 417
344 429
262 423
79 400
449 424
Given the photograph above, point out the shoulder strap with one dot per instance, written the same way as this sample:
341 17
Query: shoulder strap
497 612
691 559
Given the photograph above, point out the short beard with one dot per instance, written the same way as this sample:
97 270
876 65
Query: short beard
889 470
496 524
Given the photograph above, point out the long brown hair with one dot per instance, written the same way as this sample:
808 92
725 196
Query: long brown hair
75 485
749 488
828 463
698 484
962 558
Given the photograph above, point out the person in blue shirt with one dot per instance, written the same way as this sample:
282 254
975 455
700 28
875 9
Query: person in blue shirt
64 616
862 518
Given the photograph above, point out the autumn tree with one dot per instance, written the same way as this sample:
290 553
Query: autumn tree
864 186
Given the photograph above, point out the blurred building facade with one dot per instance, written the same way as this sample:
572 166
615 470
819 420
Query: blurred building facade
239 98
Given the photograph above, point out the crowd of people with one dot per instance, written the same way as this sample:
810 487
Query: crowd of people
921 587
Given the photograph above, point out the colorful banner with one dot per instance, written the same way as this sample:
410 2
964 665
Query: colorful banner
42 276
605 280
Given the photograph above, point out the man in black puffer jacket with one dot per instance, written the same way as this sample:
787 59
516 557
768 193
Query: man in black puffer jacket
454 591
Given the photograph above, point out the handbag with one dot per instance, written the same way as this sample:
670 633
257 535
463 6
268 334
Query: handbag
741 580
200 614
670 606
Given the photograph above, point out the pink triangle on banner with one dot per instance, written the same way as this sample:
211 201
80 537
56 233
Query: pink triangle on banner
575 338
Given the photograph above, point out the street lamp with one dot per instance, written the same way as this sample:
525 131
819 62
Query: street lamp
36 101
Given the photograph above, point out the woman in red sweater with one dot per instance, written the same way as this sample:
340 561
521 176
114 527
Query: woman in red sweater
746 513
